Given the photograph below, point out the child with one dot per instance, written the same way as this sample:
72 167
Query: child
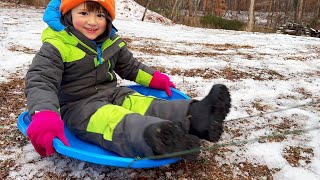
73 77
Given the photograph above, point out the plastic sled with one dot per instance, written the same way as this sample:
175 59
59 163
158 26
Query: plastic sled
88 152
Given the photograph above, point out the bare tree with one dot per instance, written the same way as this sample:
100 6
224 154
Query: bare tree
219 7
197 4
298 18
270 16
251 16
208 6
317 11
288 8
174 9
190 5
278 11
145 11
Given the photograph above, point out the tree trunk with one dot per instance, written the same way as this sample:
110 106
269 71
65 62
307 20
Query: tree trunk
196 5
228 6
205 6
299 11
174 9
277 6
287 10
233 7
238 6
190 4
251 16
317 12
145 11
270 16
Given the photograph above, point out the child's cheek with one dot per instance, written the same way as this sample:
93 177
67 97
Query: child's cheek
78 24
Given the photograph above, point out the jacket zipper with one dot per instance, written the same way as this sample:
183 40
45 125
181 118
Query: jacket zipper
99 51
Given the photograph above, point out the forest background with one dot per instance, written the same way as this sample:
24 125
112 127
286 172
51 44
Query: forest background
249 15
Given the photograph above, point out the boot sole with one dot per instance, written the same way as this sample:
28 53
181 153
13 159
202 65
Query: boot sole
220 109
165 138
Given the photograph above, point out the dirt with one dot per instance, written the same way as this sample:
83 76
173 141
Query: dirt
226 73
215 162
207 167
23 49
12 102
298 156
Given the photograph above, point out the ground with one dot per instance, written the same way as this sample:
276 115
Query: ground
247 71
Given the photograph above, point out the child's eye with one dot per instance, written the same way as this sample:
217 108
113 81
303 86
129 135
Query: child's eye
102 15
83 13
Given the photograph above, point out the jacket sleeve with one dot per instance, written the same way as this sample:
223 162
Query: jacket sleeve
43 80
130 68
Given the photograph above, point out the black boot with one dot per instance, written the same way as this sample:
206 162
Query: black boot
207 115
166 137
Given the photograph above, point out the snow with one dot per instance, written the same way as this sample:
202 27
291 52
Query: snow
287 66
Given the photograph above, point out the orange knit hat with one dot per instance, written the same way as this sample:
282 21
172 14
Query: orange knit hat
109 5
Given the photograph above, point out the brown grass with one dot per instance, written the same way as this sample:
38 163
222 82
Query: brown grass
296 155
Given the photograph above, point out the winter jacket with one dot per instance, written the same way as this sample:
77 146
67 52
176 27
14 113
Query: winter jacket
72 74
69 68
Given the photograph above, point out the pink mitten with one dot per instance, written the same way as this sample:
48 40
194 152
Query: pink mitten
44 127
162 82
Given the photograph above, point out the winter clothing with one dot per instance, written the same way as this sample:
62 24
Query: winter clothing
162 82
72 74
109 5
76 77
166 137
208 114
44 127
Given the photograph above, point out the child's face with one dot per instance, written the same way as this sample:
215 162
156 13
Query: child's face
91 24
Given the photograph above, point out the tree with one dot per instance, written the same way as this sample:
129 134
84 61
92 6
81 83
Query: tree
219 7
145 11
317 11
251 16
299 11
174 10
190 5
288 8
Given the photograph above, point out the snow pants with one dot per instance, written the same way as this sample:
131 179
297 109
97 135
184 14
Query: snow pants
116 119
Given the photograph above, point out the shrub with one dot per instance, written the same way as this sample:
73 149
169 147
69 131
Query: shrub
212 21
315 23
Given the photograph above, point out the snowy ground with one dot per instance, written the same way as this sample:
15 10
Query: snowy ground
264 72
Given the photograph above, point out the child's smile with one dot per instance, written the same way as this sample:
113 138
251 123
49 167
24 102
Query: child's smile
91 31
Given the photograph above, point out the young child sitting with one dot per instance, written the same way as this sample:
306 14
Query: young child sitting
73 77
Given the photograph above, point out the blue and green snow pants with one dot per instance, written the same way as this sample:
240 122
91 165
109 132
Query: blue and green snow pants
116 120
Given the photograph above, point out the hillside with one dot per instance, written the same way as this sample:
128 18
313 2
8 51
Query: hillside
274 82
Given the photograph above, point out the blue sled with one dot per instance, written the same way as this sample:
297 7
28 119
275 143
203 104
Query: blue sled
88 152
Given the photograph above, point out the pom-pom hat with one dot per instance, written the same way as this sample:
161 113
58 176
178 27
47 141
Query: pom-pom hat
67 5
